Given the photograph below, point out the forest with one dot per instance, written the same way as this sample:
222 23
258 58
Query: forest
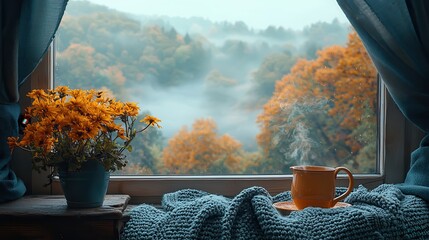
233 99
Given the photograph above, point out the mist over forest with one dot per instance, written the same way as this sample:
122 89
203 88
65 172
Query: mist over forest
181 69
233 99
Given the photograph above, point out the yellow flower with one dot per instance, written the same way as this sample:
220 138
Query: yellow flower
42 109
12 142
121 134
75 125
62 91
101 118
131 109
112 127
151 120
38 94
117 108
76 93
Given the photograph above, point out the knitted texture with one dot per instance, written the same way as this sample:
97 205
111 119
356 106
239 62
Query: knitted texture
383 213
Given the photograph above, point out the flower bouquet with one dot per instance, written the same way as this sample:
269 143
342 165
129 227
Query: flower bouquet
71 127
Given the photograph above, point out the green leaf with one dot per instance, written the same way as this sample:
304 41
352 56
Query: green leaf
129 148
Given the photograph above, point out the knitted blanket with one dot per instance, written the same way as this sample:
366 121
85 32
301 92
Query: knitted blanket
383 213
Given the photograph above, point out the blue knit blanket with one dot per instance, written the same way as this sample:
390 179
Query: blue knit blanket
383 213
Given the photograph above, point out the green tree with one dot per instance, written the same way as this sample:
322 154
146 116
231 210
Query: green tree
279 33
272 69
322 34
145 156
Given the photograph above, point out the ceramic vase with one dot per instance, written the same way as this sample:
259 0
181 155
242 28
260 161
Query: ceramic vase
85 188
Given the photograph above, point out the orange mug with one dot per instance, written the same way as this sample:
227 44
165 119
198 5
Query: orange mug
314 186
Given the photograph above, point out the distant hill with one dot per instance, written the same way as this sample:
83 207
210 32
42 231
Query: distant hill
79 8
335 31
223 65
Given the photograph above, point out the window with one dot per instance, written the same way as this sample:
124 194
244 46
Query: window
197 60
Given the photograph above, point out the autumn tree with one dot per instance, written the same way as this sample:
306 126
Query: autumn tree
81 62
101 48
319 112
201 151
119 50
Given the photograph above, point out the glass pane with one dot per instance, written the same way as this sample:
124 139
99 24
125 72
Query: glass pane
242 87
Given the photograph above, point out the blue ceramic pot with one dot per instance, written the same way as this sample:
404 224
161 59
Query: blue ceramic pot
87 187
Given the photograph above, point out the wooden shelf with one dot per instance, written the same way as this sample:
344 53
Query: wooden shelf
47 217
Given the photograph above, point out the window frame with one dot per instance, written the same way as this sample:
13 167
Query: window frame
396 136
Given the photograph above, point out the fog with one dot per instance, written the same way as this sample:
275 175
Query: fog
180 106
224 91
228 101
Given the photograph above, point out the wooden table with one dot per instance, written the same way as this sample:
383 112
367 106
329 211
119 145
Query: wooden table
47 217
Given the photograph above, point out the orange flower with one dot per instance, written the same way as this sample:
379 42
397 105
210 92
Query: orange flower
75 125
12 142
131 109
38 94
62 91
152 121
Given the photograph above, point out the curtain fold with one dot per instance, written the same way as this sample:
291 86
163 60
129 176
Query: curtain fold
27 29
395 34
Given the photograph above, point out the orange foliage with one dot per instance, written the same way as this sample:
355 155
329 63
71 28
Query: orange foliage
135 169
81 56
343 78
115 74
354 84
201 148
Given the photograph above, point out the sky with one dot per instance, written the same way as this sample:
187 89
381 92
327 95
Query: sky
257 14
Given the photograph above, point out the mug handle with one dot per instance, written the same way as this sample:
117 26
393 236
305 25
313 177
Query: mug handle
349 189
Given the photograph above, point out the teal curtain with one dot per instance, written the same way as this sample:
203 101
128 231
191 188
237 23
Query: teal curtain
396 36
27 29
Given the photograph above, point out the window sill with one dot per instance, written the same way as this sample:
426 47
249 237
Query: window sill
150 189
